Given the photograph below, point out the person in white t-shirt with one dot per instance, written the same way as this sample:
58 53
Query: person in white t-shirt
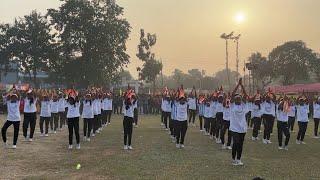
302 118
13 118
201 105
181 120
192 107
30 115
316 116
87 116
166 110
45 115
292 115
208 115
269 110
128 115
54 122
283 109
62 110
73 115
256 113
226 125
238 123
107 108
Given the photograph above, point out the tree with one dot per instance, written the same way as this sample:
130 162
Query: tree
92 41
33 44
222 78
178 76
5 51
151 66
315 67
292 61
262 71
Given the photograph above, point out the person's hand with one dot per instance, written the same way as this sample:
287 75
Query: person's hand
240 81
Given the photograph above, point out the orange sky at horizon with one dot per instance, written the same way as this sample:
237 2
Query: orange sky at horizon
189 31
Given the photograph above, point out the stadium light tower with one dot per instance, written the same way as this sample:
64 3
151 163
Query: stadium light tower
236 40
227 37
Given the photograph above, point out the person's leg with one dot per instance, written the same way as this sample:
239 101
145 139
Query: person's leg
70 128
95 124
255 130
56 121
272 124
85 127
229 135
223 131
206 124
183 131
130 131
33 121
316 126
194 116
5 126
241 140
41 124
89 127
162 117
178 132
279 126
16 126
76 129
201 122
304 129
125 130
51 123
236 139
109 116
299 131
47 120
61 119
26 121
286 133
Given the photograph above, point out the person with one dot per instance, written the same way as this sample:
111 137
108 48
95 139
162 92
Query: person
192 106
238 123
73 114
182 120
135 110
96 112
166 110
107 108
226 125
283 109
302 118
292 115
208 116
62 110
54 122
172 123
87 116
29 115
219 116
201 106
128 120
269 110
316 116
45 115
256 113
13 118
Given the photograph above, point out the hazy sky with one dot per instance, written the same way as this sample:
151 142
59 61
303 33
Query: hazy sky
188 30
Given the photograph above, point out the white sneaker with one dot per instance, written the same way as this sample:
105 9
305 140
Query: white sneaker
30 139
269 142
239 163
257 138
14 146
181 145
88 139
253 138
302 142
41 135
316 137
224 147
177 145
93 135
234 162
109 123
125 147
78 146
84 138
46 135
286 148
280 148
211 137
54 132
5 145
174 140
298 142
130 148
264 141
229 147
70 147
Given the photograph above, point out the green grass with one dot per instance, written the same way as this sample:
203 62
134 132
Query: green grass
155 157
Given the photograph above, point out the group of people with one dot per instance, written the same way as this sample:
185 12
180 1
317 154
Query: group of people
229 114
58 109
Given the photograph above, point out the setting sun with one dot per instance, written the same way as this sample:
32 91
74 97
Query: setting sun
239 17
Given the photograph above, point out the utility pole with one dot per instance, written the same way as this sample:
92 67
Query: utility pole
227 37
161 72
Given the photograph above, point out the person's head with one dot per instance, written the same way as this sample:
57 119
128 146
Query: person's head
220 98
237 99
301 101
88 96
318 100
72 100
29 95
13 97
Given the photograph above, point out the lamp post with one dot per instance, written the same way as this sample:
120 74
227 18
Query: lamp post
236 40
227 37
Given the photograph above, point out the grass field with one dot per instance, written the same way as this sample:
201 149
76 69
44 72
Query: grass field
155 157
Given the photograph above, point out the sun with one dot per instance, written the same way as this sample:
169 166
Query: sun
239 18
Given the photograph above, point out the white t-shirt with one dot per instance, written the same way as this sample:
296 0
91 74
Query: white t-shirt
282 116
292 112
269 108
54 106
166 105
238 121
107 104
96 106
192 103
302 113
128 112
255 111
226 114
201 109
182 112
30 108
13 111
87 110
218 107
73 110
62 105
316 110
208 110
45 110
214 110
